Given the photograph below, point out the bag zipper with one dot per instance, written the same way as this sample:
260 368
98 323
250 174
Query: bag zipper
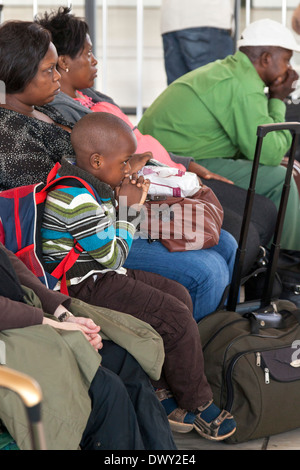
266 370
228 383
228 377
267 376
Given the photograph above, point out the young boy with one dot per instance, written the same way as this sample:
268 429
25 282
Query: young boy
103 145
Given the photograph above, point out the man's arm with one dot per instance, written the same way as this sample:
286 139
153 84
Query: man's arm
250 111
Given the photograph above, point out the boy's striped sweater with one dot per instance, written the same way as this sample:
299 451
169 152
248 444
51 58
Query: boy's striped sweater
72 213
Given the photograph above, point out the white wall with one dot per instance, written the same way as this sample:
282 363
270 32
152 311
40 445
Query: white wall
122 78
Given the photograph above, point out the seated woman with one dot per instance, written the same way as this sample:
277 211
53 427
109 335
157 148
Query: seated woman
78 68
98 408
29 70
34 138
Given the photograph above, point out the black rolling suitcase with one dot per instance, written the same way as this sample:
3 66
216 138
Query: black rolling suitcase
252 350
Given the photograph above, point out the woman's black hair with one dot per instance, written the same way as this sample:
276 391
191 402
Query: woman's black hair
68 31
23 45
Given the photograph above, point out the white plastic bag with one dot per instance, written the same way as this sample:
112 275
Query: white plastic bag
167 181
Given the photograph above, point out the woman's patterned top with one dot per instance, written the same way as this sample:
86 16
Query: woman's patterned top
29 147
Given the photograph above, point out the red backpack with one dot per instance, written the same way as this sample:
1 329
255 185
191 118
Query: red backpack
21 214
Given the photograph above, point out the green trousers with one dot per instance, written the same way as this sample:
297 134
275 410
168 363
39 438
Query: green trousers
269 183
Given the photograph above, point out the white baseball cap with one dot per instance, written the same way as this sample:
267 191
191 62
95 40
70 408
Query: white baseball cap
267 32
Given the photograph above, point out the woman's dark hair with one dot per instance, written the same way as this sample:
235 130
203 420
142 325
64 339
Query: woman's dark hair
23 45
68 32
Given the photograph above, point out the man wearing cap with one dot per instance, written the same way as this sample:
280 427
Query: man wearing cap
212 114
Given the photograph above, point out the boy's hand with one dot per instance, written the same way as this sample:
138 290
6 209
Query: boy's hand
132 191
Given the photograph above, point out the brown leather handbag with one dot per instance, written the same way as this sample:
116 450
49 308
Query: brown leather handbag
184 223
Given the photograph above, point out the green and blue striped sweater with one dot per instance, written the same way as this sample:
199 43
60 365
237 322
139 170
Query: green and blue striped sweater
73 214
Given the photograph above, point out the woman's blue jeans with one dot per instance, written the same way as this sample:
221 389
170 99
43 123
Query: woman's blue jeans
190 48
205 273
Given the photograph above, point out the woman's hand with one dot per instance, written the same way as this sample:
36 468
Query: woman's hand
204 173
139 160
89 328
86 325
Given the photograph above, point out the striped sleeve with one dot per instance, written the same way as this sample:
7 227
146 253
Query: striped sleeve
73 213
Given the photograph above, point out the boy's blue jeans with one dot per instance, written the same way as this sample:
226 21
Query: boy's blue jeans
188 49
205 273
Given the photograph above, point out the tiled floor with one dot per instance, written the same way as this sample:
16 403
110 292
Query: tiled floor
286 441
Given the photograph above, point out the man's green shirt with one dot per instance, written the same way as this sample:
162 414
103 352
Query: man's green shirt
214 111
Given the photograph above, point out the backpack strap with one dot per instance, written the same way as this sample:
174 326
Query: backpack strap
53 172
64 266
57 183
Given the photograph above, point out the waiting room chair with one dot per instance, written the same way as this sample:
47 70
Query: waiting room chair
30 393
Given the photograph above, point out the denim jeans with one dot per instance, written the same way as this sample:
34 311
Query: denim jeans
188 49
205 273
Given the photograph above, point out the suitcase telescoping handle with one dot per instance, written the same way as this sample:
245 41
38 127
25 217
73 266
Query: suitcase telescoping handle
262 131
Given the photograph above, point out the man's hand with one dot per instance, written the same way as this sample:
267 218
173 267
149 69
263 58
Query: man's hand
284 86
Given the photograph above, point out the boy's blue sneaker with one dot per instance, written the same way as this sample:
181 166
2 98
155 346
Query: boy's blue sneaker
214 424
180 420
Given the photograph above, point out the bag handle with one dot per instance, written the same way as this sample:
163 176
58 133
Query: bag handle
256 325
264 129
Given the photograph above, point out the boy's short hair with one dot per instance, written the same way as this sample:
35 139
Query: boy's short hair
96 132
